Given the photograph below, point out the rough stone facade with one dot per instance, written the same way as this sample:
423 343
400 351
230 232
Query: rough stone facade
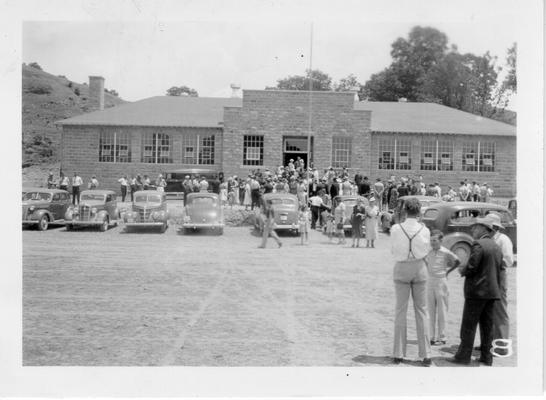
277 114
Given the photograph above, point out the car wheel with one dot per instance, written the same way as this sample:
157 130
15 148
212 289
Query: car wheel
220 231
69 227
461 250
104 226
43 223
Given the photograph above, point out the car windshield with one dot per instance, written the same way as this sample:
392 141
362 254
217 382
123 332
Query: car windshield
202 201
279 201
349 203
37 196
91 196
149 198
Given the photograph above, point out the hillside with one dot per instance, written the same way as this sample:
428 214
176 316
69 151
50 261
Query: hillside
47 98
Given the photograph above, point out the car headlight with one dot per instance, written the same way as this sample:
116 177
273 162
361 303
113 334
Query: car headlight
31 208
213 215
93 210
187 218
75 211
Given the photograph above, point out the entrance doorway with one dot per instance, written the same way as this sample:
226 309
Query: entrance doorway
296 146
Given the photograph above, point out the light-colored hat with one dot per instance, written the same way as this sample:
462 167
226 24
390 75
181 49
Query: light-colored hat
487 221
496 219
371 199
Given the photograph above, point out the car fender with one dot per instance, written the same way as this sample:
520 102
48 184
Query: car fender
102 214
451 238
40 213
68 214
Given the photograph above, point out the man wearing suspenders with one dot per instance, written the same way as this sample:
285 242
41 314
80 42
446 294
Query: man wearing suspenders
410 244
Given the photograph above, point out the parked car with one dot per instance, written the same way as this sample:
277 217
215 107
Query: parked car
149 209
350 202
285 209
391 217
203 210
175 178
97 208
454 219
42 207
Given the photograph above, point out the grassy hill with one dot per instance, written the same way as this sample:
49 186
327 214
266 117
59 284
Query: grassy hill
47 98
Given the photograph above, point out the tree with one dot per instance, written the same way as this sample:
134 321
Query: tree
383 86
182 91
510 81
35 65
321 81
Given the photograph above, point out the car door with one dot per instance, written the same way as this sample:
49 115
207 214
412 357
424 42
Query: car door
461 220
58 206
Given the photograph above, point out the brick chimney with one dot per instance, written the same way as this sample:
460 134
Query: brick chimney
96 91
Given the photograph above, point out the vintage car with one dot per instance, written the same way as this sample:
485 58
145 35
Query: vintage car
175 178
391 217
350 202
454 219
149 209
203 211
285 209
97 208
42 207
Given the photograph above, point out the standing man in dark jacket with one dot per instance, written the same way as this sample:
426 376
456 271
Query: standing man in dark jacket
482 290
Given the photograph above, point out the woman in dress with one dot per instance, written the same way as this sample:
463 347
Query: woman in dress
357 218
339 216
372 211
223 193
247 201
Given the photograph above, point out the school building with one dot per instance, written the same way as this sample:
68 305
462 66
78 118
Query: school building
265 128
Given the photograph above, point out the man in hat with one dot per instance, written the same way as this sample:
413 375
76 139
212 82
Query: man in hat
482 292
501 321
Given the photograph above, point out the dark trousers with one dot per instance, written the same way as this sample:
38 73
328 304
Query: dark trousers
315 216
476 311
123 192
255 196
133 190
75 194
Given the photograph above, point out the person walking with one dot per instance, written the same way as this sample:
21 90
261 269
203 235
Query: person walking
254 193
316 204
340 215
410 244
440 262
378 189
372 212
268 216
482 292
357 219
77 181
133 187
303 221
247 200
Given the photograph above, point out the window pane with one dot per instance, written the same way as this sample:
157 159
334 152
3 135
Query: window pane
106 147
341 152
470 156
148 148
403 159
386 154
163 148
445 155
487 156
253 150
189 149
123 147
206 150
428 155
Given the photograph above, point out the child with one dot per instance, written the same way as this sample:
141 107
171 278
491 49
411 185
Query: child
329 225
339 214
440 262
304 223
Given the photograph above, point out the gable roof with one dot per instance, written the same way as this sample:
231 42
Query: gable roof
207 112
199 112
430 118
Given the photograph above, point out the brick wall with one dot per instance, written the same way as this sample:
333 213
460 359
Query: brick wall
502 180
80 153
275 114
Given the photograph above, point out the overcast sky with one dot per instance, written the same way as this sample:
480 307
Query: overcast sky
145 58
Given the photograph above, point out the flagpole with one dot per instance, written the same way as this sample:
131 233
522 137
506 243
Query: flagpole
310 108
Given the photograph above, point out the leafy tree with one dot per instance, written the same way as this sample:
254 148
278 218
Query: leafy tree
182 91
510 82
35 65
319 79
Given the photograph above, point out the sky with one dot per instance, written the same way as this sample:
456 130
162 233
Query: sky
144 58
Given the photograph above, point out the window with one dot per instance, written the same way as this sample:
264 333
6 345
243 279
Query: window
156 148
437 155
114 147
253 150
341 152
487 157
470 156
386 153
197 149
403 154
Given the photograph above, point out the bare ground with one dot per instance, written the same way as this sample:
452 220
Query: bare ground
101 299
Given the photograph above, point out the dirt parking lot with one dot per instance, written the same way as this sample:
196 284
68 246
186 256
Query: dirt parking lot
119 299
